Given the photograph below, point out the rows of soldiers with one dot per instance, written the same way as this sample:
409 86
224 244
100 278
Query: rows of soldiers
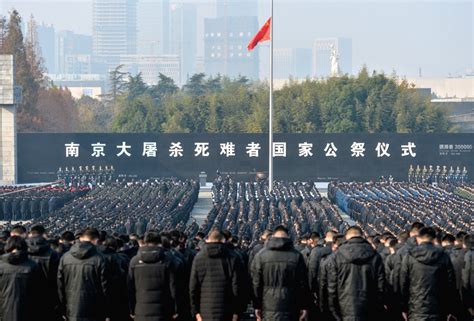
127 207
246 209
96 276
378 207
85 176
26 203
438 175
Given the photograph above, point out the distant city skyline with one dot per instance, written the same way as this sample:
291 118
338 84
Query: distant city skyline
405 36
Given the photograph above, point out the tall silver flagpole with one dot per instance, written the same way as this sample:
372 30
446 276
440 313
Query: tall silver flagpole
270 114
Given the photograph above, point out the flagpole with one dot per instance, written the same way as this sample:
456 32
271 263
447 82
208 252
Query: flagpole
270 111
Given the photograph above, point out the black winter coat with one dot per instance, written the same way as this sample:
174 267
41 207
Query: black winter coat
153 291
48 261
20 280
468 280
83 283
356 282
317 254
427 283
216 283
280 281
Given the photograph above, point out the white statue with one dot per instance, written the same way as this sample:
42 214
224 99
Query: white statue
334 62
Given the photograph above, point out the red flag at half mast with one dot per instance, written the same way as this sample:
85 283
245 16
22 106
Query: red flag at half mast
262 35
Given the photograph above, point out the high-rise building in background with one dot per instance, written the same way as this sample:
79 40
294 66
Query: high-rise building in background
225 47
322 53
74 53
292 62
183 37
47 42
114 30
236 8
153 24
226 38
150 66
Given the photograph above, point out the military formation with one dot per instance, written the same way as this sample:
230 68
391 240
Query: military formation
86 176
379 207
438 175
26 203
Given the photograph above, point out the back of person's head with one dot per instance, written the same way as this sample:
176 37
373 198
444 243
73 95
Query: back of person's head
280 231
152 238
353 231
337 241
447 240
426 234
392 242
330 235
216 236
403 237
67 237
227 235
111 243
18 230
4 235
37 230
468 241
460 237
315 237
266 235
90 234
15 244
200 235
415 229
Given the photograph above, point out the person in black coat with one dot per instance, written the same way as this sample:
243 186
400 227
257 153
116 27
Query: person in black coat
216 281
259 245
427 280
467 280
20 280
83 280
153 291
48 261
280 280
356 281
118 264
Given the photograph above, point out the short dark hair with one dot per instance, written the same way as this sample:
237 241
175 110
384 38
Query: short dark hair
152 238
4 235
417 226
37 230
448 238
467 241
355 230
460 236
281 228
393 242
338 240
227 235
18 229
315 236
91 233
427 232
15 243
111 243
215 235
68 236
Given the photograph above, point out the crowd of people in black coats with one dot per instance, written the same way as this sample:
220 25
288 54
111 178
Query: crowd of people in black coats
247 209
95 276
127 207
384 206
21 203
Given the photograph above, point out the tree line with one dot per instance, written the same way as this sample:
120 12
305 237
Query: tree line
373 103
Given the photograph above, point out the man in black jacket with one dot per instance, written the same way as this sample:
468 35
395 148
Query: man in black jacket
83 280
356 280
427 280
152 279
20 280
280 280
48 260
216 281
467 282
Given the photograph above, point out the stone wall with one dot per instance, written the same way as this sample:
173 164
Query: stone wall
8 157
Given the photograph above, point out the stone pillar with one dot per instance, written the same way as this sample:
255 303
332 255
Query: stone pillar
9 97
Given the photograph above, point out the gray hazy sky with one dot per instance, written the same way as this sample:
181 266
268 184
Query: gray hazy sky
437 36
